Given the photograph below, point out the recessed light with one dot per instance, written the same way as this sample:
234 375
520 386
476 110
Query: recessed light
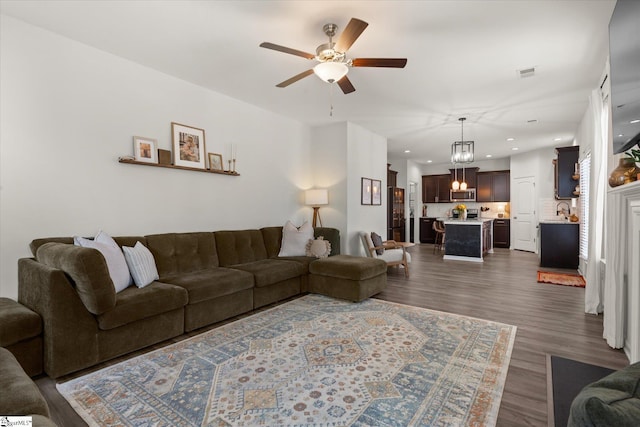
633 122
488 155
515 148
621 135
407 151
429 161
557 139
511 139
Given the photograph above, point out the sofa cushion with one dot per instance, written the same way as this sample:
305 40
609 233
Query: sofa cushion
88 271
112 253
17 322
20 395
270 271
318 248
240 247
121 241
183 252
348 267
212 283
139 303
612 401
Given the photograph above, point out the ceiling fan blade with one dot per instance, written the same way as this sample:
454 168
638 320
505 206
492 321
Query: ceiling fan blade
346 85
354 28
284 49
295 78
379 62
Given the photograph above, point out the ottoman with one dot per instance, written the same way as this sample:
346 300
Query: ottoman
612 401
20 395
348 277
21 334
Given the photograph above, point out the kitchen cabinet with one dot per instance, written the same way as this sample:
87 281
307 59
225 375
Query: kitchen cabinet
392 177
559 244
435 188
564 171
469 176
501 233
427 233
493 186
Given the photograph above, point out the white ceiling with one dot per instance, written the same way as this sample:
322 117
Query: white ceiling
463 58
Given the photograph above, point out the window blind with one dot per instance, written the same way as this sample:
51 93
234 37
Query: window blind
585 174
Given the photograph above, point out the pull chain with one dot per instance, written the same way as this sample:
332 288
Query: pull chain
330 99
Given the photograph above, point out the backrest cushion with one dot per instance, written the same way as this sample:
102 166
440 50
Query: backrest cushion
121 241
240 247
176 253
87 269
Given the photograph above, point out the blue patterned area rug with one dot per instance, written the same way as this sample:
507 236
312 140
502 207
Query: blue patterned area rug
314 361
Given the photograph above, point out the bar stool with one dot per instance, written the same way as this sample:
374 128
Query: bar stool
439 228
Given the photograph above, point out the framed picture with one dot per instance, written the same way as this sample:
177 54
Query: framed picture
215 162
188 146
366 191
376 192
144 149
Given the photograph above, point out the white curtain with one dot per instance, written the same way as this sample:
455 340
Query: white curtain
594 291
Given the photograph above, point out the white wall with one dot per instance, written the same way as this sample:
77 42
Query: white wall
68 111
482 165
342 154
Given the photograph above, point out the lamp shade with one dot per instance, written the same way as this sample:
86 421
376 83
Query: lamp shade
316 197
330 71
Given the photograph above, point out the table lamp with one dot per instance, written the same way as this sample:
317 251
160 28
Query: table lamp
316 198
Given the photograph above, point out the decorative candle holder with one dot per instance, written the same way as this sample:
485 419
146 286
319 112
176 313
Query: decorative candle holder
234 166
229 165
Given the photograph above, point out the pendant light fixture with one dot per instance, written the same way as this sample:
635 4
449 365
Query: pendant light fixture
461 152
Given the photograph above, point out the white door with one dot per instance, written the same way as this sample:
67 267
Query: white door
523 214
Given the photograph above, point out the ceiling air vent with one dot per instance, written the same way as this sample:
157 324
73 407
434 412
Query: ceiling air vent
527 72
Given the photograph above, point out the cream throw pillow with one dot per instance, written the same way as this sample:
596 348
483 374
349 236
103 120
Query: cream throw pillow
318 248
112 254
294 240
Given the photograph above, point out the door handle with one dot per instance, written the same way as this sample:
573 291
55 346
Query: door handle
515 217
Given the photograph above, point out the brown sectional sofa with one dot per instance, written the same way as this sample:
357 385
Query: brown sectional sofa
205 277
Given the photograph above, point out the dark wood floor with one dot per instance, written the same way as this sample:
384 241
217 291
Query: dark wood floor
550 320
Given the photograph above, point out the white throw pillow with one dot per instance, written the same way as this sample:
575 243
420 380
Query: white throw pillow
294 240
141 264
318 248
114 257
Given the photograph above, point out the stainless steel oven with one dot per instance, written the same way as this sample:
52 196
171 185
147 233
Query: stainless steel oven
468 195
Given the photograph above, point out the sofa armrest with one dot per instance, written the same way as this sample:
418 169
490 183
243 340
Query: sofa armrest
70 330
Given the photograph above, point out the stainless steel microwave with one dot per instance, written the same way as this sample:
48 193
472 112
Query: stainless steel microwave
468 195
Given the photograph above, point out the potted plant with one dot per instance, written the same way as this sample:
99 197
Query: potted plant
635 155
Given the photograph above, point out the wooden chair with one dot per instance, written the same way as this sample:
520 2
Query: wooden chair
393 254
438 227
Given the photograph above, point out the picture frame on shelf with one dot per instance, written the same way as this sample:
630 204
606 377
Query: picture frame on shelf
215 162
365 193
376 192
188 146
144 149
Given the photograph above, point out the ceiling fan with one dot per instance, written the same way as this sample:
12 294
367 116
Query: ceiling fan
333 64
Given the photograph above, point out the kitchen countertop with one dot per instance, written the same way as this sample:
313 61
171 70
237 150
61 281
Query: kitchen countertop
558 221
475 221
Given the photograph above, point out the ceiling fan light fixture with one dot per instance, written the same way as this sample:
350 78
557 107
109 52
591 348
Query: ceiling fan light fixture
331 72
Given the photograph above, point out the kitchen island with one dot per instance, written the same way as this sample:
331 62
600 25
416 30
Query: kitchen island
468 239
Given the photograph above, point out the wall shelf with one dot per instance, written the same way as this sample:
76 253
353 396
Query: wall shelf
184 168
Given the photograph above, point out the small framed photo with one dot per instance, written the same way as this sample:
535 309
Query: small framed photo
366 191
215 162
144 149
376 192
188 146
